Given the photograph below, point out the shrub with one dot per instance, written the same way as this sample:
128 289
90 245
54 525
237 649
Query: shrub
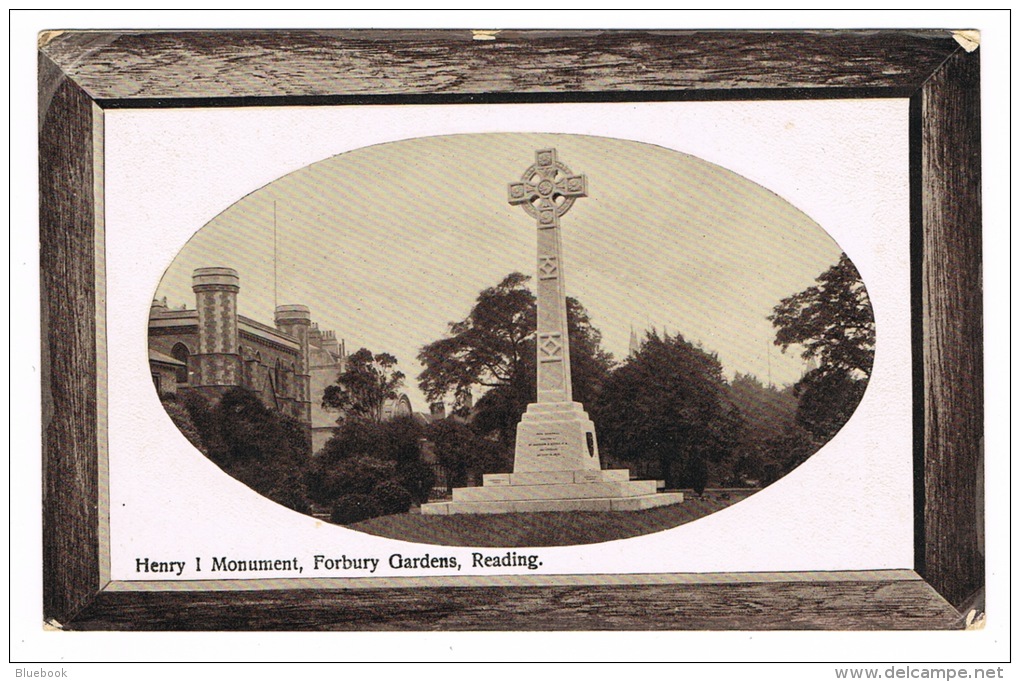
464 454
182 419
354 507
392 498
359 474
265 450
417 479
697 474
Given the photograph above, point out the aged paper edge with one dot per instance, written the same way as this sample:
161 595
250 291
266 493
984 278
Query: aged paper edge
891 575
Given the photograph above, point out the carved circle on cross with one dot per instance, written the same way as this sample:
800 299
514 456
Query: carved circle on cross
547 189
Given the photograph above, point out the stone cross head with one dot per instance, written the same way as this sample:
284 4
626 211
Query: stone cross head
547 189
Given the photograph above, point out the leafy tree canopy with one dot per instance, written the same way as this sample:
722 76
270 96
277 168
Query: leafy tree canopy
494 348
767 411
668 403
488 348
265 450
835 324
464 454
182 419
832 320
366 383
770 442
827 401
364 453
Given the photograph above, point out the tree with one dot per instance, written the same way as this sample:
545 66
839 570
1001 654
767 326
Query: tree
265 450
371 458
668 404
833 321
770 442
366 383
183 421
835 324
827 401
464 454
494 348
589 362
767 411
488 348
403 438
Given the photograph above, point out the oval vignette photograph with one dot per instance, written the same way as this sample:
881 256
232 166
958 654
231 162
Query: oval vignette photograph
510 339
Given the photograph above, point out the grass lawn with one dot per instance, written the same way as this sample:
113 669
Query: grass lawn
545 529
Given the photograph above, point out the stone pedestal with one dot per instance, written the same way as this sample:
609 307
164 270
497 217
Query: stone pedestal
555 437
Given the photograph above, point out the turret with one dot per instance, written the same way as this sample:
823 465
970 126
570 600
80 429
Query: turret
329 342
217 362
158 307
296 321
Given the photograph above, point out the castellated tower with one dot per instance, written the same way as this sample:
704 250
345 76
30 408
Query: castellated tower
216 365
296 321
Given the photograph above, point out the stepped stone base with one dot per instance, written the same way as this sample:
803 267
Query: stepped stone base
556 468
545 491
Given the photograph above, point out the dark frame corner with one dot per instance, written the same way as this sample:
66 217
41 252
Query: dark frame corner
83 73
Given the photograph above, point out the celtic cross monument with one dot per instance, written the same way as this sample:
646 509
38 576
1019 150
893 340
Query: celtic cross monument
556 458
546 192
555 434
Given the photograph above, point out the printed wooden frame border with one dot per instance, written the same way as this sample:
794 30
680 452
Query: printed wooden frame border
84 73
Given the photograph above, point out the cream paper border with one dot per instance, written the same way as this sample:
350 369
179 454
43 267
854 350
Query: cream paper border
844 163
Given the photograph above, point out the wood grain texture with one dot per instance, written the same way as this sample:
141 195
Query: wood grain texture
166 69
794 605
951 296
68 309
236 65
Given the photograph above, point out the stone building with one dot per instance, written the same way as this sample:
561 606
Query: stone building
212 349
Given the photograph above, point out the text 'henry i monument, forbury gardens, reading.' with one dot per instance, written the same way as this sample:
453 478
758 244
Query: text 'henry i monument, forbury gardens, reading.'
556 461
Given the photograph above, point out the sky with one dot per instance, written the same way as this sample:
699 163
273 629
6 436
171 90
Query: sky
390 243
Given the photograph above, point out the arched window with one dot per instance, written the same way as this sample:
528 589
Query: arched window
181 352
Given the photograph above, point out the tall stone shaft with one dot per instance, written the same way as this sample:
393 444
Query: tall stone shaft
553 342
554 434
546 191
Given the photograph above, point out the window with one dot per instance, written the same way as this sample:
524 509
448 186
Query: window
181 352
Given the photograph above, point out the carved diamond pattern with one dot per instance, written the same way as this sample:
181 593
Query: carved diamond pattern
547 267
550 345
